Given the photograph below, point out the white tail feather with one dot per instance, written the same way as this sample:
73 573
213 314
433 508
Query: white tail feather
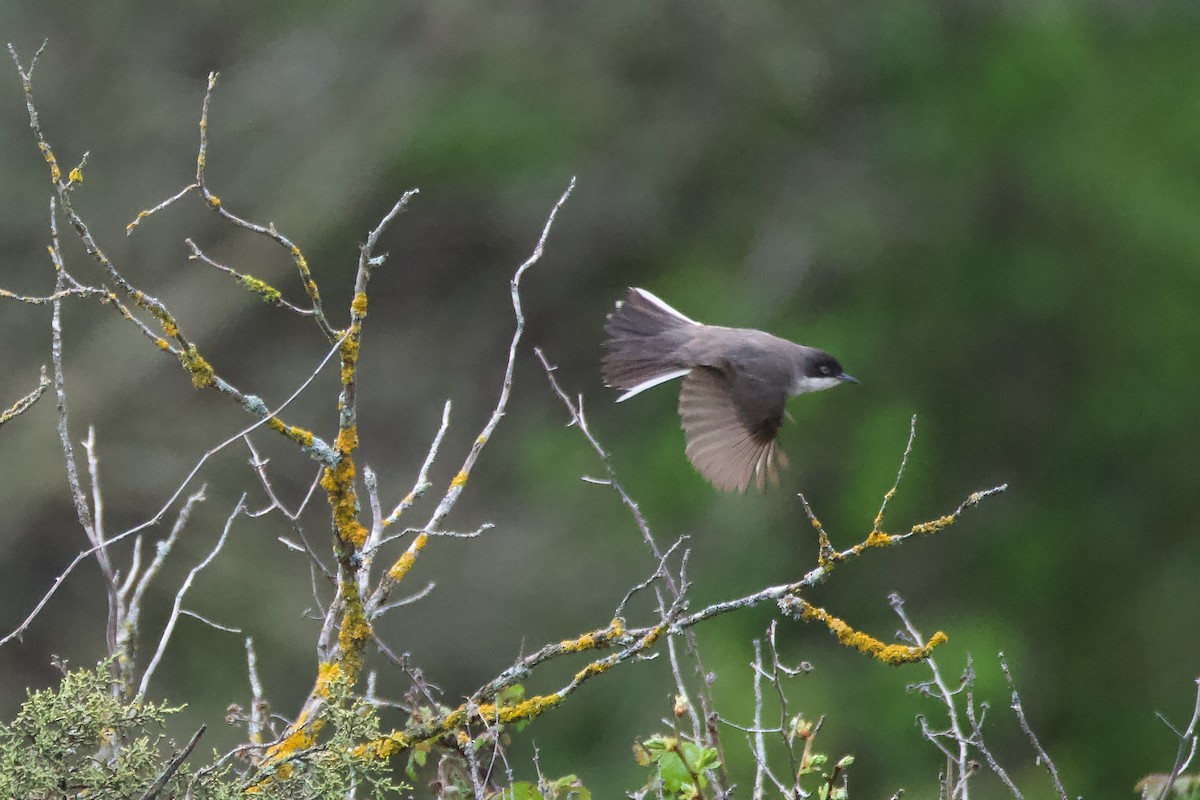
652 382
658 301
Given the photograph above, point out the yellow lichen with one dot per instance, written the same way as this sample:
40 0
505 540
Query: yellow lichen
338 483
593 639
214 201
585 642
593 669
878 539
348 352
327 673
460 480
383 748
358 306
266 291
525 710
75 175
193 362
934 526
405 561
894 654
355 630
300 436
162 344
48 154
347 440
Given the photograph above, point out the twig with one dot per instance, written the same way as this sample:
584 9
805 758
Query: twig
976 721
460 480
912 435
169 628
214 202
161 782
268 293
132 226
257 720
1033 740
676 589
402 565
422 482
154 520
963 754
210 623
1187 746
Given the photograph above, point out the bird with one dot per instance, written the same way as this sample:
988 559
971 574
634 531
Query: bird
735 384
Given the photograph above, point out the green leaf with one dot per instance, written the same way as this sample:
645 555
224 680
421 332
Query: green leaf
521 791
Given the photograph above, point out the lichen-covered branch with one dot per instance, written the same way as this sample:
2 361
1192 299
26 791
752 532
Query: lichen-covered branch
172 338
25 403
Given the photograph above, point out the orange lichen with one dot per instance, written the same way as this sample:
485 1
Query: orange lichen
460 480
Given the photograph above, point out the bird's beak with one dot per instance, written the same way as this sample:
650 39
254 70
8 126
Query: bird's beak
844 378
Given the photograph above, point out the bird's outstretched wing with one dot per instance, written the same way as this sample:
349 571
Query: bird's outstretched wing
730 443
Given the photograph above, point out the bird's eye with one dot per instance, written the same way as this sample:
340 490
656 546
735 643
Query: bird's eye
825 369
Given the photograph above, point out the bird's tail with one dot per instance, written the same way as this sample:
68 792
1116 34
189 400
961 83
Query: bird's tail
644 338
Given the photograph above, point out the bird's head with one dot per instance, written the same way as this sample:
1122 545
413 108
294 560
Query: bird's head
817 370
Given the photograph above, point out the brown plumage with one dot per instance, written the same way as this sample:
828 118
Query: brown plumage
735 384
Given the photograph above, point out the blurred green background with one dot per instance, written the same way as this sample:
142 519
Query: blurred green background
990 215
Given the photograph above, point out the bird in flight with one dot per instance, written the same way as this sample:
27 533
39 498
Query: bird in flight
735 384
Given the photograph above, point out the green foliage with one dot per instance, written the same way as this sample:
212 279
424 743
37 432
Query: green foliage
678 766
332 768
568 787
81 738
1185 787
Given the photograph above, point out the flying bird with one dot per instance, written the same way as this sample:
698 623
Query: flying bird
735 384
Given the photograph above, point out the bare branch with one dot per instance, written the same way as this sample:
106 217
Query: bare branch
912 435
422 483
214 202
161 782
1187 746
962 755
176 608
1043 759
129 229
402 565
